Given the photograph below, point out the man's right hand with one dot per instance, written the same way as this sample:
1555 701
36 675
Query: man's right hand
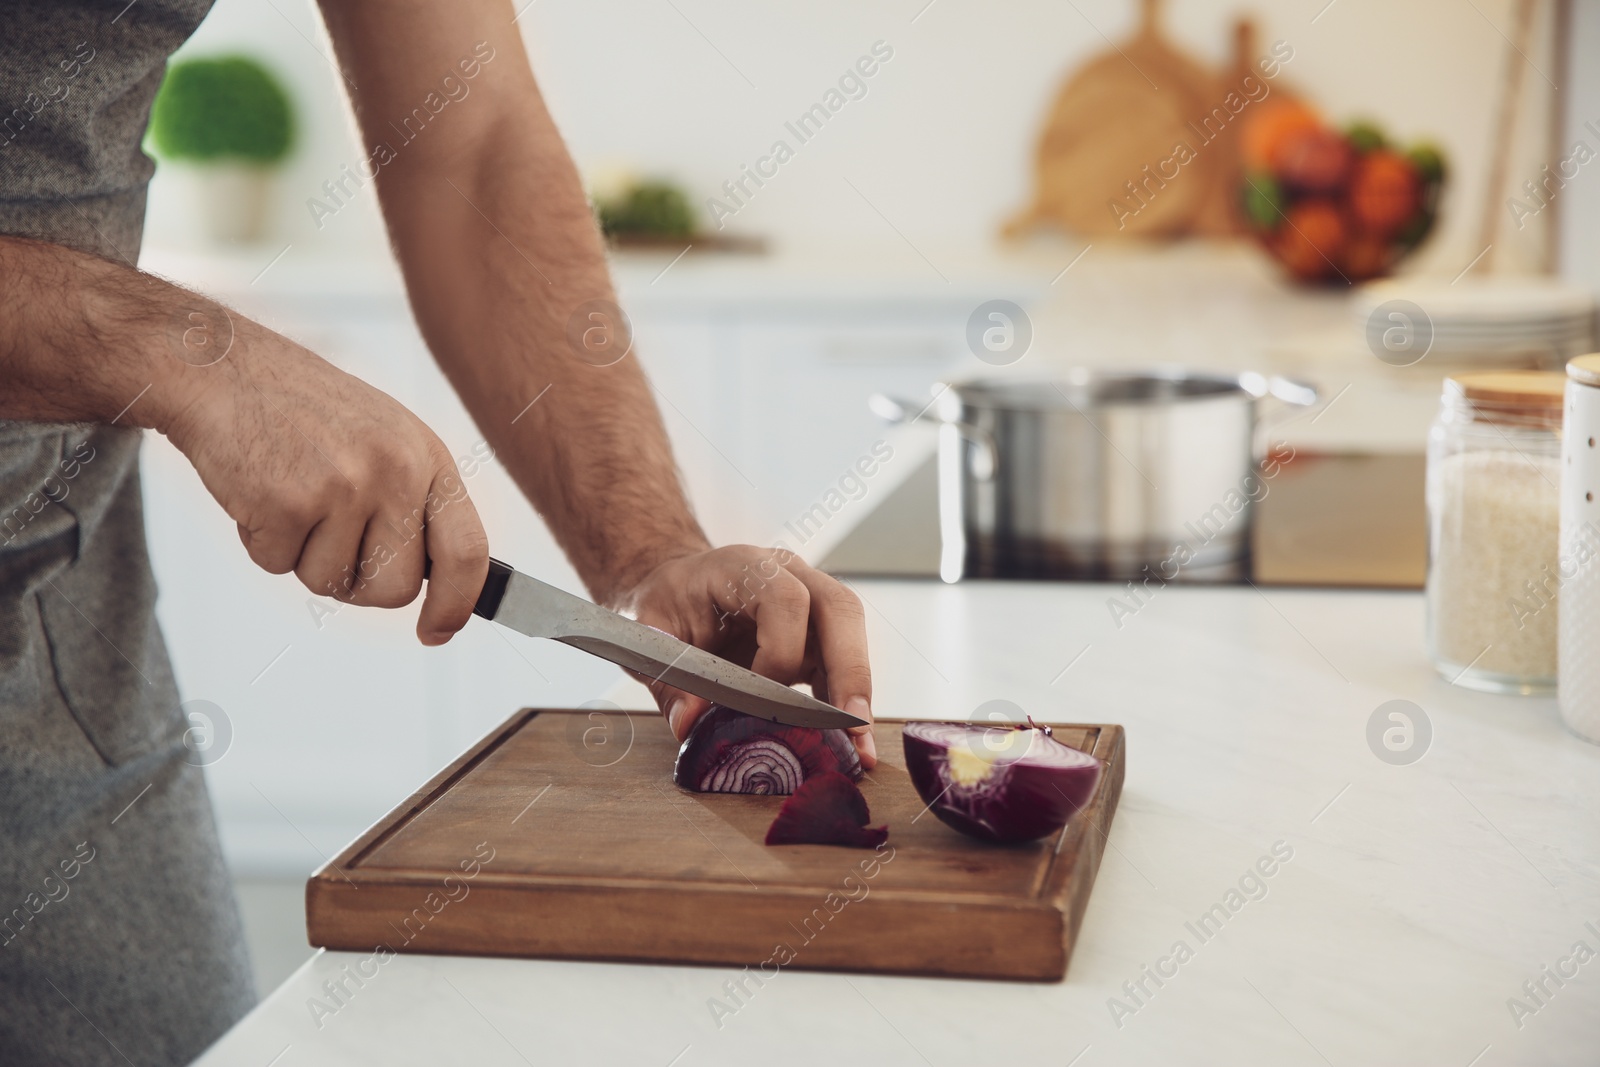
325 475
328 477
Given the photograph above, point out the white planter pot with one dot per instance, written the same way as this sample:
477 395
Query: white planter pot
235 199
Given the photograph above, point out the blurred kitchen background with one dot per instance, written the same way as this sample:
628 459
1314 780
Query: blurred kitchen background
855 269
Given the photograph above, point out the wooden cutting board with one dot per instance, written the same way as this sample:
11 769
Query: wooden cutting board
1121 112
561 835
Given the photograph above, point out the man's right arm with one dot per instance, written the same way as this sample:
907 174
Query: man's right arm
324 475
81 338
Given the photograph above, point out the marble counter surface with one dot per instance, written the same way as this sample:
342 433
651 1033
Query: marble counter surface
1410 913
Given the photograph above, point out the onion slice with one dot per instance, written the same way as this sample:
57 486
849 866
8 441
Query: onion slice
827 809
731 752
998 783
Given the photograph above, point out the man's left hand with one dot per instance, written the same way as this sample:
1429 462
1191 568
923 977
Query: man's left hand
766 609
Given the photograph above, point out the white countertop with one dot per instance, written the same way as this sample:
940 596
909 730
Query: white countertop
1417 901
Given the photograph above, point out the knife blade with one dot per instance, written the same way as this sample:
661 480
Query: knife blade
537 609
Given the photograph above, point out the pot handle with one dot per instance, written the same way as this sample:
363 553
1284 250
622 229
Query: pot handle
895 411
1290 391
1287 391
986 453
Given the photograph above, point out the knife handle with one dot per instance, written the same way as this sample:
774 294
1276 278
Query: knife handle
494 586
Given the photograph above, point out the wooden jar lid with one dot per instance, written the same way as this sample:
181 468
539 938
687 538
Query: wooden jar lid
1585 370
1512 393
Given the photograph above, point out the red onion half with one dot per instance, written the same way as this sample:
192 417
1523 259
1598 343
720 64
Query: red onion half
731 752
998 783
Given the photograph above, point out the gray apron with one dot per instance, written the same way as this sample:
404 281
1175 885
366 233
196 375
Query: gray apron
120 939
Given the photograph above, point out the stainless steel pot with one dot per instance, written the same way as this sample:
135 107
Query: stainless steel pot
1100 475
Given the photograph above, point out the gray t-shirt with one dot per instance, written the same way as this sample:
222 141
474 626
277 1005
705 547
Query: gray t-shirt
76 82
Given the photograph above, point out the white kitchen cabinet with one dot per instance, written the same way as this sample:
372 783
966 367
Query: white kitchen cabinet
769 410
824 368
767 406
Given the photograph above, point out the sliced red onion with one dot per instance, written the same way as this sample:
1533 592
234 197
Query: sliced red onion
827 809
998 783
731 752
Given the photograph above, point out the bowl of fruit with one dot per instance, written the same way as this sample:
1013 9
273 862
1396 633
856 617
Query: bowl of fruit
1335 205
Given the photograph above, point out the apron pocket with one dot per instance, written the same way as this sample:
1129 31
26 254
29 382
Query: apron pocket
96 602
111 664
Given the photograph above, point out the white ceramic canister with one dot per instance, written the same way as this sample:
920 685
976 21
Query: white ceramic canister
1579 636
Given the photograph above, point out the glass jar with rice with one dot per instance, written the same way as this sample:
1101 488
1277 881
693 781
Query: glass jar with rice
1493 530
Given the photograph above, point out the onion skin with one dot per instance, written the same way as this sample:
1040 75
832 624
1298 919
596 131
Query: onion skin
1029 792
728 751
827 809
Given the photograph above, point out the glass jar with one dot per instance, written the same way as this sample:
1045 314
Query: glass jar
1493 491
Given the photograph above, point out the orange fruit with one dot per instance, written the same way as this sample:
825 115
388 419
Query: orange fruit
1312 238
1269 123
1385 192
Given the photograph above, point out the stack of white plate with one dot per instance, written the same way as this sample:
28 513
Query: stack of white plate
1491 318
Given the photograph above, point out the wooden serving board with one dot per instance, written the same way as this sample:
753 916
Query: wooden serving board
561 835
1123 111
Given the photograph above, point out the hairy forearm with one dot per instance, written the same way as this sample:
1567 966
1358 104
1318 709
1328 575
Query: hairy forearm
500 253
83 339
591 452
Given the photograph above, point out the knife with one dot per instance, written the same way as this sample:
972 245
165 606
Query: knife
538 609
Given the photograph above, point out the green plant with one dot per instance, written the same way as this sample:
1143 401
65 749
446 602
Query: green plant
651 207
228 107
1428 160
1263 200
1366 136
